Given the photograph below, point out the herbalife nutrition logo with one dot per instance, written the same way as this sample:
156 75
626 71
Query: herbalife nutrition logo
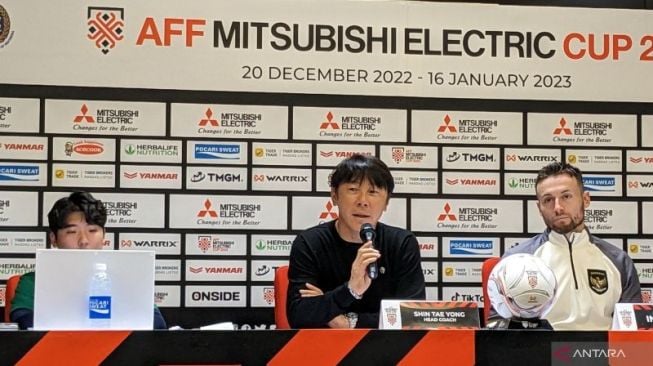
260 245
130 150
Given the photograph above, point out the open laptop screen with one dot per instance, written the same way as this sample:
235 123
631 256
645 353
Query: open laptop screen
63 279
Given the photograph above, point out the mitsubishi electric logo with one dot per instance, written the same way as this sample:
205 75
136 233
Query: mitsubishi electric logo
447 215
446 127
207 210
329 123
562 129
209 119
328 213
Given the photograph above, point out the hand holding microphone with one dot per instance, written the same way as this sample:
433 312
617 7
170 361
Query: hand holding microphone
367 233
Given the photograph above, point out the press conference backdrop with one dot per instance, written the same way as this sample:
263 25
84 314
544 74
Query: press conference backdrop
209 129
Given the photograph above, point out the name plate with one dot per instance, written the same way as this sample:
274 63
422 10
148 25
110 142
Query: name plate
423 314
632 317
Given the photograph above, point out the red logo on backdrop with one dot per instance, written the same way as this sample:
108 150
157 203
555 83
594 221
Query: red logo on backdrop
446 126
328 213
209 119
391 315
627 317
646 296
105 27
207 210
563 129
125 243
398 154
204 243
329 123
130 175
447 214
633 184
195 270
2 296
326 154
452 182
84 116
259 178
511 157
88 148
636 160
268 295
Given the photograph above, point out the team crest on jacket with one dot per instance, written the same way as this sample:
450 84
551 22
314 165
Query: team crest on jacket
598 280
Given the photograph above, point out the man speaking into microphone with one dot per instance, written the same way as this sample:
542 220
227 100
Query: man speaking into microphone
341 270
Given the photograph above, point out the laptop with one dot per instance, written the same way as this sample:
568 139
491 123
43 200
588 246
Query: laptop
61 294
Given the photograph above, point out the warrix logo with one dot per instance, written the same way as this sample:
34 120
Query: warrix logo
84 116
209 119
447 215
207 210
329 123
328 213
446 126
562 129
105 27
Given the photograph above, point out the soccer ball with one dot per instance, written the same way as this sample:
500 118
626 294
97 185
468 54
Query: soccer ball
521 286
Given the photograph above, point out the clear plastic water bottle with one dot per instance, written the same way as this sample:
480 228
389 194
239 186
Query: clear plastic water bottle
99 298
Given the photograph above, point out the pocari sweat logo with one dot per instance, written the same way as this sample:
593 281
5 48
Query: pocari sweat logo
599 184
99 307
471 247
217 151
19 172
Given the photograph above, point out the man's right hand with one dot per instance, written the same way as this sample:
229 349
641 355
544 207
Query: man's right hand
359 281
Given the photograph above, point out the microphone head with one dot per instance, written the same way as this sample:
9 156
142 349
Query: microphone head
367 232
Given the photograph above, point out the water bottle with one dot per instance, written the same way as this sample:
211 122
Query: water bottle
99 298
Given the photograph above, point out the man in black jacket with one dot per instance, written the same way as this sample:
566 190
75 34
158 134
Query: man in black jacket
329 283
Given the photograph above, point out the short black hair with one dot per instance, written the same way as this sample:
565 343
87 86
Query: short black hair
93 210
558 168
358 167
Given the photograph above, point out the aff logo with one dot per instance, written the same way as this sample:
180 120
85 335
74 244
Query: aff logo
209 119
84 116
398 154
328 213
105 27
562 129
207 210
268 295
446 126
447 215
329 123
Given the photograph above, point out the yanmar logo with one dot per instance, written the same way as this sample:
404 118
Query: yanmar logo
105 27
471 182
639 160
151 176
23 147
216 270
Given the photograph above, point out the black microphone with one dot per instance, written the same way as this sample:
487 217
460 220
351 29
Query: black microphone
367 233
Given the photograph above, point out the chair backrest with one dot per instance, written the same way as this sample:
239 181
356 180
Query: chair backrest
280 295
10 290
486 269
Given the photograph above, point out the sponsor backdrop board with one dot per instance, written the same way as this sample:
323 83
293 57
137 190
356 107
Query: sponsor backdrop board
210 133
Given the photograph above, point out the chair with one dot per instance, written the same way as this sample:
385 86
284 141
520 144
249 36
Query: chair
486 269
280 295
10 291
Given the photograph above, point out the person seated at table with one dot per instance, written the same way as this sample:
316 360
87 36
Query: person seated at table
76 222
329 285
